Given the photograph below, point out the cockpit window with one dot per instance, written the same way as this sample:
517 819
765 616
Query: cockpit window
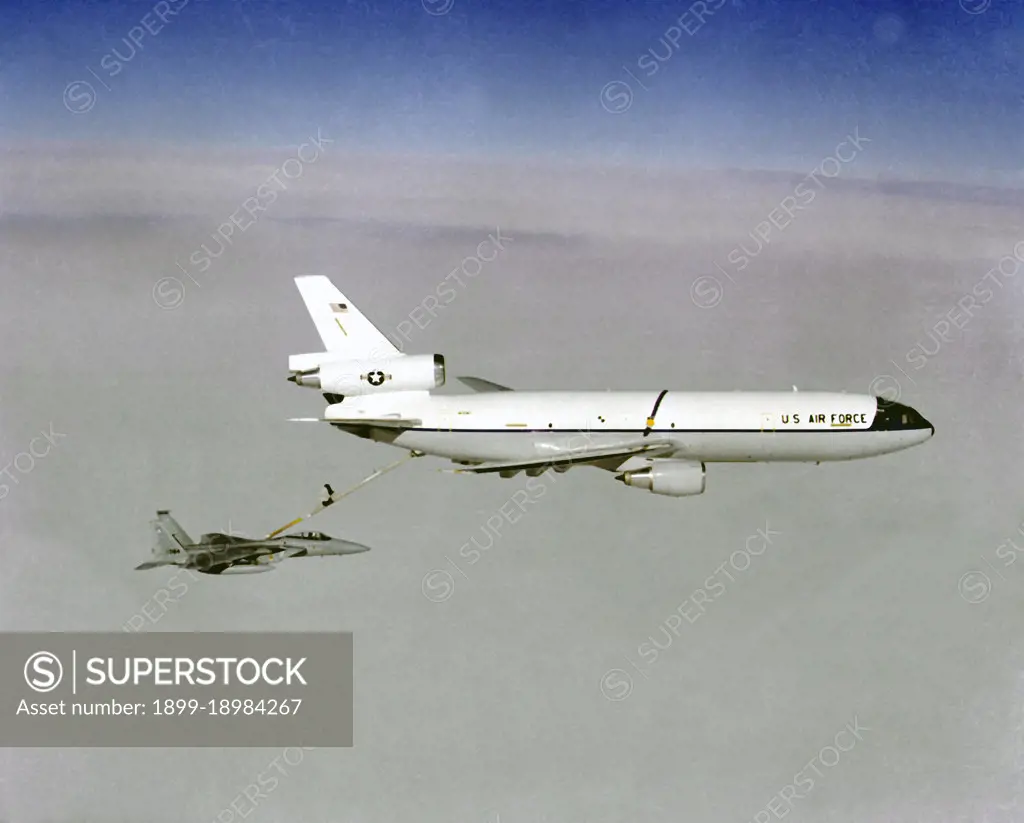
312 536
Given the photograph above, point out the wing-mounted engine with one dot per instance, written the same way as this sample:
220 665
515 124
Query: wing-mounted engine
675 478
418 372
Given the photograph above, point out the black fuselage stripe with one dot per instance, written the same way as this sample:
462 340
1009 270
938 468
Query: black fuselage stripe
625 431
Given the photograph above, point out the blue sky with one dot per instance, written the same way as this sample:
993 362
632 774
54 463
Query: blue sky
935 84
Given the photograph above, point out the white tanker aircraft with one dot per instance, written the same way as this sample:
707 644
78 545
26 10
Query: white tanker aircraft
657 440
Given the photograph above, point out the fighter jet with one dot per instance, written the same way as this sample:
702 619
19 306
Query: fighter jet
218 553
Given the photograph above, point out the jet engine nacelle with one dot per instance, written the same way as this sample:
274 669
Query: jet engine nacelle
416 372
674 478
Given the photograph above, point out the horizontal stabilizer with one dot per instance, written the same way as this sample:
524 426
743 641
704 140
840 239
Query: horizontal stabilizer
571 458
153 564
378 422
478 384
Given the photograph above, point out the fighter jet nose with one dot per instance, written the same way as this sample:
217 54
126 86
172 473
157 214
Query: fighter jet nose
348 547
928 423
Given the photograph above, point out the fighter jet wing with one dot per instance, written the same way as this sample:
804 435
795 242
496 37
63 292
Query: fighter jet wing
233 553
610 455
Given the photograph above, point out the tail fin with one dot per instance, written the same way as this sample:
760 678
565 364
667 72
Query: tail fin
171 539
342 327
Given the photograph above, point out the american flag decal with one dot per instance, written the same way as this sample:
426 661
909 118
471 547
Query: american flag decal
339 308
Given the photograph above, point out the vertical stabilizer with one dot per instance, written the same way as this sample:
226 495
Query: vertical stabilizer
342 327
170 538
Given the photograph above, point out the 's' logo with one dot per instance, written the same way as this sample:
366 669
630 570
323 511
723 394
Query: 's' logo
43 672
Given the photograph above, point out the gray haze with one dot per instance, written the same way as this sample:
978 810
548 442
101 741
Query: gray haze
490 703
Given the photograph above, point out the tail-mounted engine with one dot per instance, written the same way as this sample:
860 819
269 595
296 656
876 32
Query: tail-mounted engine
418 372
